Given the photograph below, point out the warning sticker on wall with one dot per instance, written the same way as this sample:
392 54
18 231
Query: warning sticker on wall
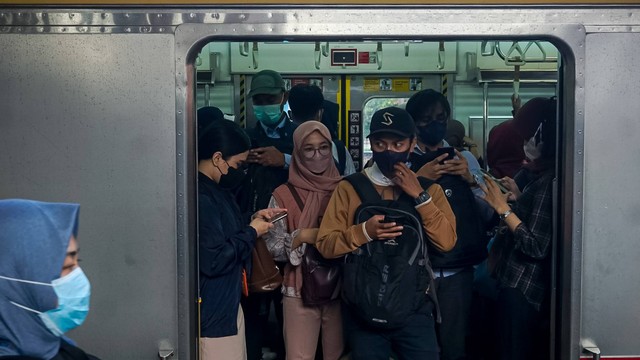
392 84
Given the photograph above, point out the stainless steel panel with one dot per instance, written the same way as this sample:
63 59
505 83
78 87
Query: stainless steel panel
611 282
90 119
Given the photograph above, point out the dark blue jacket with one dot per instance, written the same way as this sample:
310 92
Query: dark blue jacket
225 244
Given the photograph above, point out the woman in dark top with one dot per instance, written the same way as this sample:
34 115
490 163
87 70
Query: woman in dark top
225 239
523 271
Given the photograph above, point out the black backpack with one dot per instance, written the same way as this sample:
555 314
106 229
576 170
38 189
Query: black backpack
384 282
471 246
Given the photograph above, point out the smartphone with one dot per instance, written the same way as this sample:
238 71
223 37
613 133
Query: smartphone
502 188
277 217
446 150
393 218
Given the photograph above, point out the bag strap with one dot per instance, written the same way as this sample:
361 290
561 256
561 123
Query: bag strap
364 187
342 155
296 196
425 183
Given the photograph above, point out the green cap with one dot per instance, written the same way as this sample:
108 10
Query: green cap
267 82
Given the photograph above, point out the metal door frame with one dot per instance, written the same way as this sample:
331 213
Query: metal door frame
420 23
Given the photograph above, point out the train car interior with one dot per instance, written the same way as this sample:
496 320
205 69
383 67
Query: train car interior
479 79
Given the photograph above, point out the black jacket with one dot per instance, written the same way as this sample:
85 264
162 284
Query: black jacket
225 242
260 182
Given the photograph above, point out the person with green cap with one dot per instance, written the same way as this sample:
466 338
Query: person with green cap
269 159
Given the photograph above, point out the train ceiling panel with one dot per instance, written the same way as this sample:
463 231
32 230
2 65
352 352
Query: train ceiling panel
335 57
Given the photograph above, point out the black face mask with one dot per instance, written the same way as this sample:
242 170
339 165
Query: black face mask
387 159
233 178
432 133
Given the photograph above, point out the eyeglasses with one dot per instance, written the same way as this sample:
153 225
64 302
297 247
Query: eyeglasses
310 153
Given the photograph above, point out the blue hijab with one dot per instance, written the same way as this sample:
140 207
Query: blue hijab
34 237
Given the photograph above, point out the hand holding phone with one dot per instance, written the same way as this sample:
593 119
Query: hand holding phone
450 151
279 216
497 181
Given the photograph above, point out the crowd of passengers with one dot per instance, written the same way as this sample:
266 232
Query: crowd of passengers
479 286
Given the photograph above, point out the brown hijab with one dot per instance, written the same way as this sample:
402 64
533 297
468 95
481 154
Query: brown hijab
314 189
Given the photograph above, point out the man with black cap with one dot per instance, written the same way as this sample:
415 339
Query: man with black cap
392 136
269 159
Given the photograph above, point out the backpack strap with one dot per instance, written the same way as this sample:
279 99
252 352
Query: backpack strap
364 187
296 196
342 155
425 183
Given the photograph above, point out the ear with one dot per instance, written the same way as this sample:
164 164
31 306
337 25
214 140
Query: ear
285 98
216 158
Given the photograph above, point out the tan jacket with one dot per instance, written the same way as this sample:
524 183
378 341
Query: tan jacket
338 234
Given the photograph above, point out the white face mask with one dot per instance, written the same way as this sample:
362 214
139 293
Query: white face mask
533 147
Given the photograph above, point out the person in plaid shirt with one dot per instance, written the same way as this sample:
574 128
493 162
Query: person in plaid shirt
523 271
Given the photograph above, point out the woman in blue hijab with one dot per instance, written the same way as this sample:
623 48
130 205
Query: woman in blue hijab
43 291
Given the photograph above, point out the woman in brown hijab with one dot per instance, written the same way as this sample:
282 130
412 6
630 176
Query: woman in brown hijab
312 178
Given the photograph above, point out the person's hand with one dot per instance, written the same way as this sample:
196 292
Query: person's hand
304 236
407 180
511 185
266 156
458 166
433 169
493 196
515 103
261 225
378 230
267 214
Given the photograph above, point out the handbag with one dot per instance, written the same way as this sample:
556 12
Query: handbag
497 252
320 276
265 275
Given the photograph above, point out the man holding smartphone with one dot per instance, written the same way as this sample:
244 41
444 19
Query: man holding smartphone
457 173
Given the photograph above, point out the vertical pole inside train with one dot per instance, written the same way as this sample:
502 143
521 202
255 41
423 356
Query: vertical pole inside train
485 121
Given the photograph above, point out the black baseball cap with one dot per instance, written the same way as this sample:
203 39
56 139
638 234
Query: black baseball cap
392 120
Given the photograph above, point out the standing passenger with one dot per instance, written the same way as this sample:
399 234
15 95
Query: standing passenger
523 272
306 103
312 179
269 159
455 269
392 136
225 241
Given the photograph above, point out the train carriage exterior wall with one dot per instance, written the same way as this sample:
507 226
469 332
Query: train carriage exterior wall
97 107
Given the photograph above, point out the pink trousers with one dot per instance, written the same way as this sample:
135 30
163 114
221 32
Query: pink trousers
302 326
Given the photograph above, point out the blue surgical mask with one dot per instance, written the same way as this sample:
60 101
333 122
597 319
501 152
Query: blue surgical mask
269 115
73 291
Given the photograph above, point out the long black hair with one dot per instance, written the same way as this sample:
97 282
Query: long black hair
224 136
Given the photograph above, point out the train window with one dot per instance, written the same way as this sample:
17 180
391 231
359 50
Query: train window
371 106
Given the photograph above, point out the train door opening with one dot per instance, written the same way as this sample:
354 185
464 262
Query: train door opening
484 81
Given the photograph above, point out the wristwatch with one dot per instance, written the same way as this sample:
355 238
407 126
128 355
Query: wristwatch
505 214
422 197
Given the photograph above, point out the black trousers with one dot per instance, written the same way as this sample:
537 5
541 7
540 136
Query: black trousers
258 332
522 330
454 296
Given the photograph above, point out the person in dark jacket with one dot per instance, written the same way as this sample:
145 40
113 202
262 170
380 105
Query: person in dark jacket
457 176
225 240
269 159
